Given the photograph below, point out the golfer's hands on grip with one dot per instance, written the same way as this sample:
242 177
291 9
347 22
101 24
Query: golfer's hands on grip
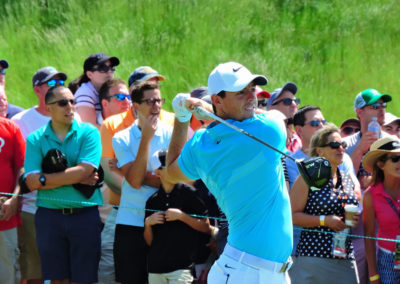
335 223
179 106
183 106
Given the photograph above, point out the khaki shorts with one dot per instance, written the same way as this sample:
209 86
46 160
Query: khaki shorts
29 259
8 256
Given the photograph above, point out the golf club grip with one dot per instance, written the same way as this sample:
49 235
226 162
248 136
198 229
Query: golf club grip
201 111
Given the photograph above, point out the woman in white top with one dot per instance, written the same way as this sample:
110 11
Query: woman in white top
97 69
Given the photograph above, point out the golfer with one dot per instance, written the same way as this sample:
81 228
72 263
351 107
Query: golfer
245 176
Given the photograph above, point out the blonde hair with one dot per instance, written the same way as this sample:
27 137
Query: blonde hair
320 137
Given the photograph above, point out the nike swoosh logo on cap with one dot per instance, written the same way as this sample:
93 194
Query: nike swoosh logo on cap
236 69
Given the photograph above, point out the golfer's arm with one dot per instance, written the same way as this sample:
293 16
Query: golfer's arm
178 140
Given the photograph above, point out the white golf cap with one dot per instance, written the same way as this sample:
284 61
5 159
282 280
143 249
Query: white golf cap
232 77
389 118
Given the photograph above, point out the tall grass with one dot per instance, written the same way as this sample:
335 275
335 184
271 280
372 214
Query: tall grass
331 49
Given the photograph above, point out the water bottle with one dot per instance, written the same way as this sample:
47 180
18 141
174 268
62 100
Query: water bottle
339 243
374 126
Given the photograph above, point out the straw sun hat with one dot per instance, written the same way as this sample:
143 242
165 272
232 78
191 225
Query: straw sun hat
389 144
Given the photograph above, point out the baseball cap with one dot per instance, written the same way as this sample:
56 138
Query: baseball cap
350 121
232 77
144 73
369 97
201 93
4 63
262 93
289 86
389 118
45 74
98 59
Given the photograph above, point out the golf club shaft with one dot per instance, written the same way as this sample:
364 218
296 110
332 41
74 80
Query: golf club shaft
202 111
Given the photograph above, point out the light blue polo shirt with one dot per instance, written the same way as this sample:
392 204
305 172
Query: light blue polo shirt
247 180
126 145
81 145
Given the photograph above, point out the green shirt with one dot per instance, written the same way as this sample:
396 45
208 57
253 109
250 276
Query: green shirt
81 145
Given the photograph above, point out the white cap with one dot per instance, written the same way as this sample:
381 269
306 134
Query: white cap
389 118
232 77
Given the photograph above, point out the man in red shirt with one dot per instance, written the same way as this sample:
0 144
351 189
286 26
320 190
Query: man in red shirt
12 154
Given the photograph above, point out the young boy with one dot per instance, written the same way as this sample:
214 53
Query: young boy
170 231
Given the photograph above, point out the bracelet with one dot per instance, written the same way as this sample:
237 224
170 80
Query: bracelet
322 220
374 277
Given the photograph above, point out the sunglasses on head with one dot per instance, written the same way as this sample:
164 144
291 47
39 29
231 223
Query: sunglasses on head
54 82
394 159
152 102
349 130
316 123
336 145
262 102
378 105
63 102
121 97
287 101
3 71
103 69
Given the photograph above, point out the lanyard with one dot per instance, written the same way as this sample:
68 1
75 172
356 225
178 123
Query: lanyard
392 205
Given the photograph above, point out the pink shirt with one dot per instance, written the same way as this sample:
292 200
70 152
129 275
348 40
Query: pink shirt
388 220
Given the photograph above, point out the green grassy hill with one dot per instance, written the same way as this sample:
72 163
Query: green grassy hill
331 49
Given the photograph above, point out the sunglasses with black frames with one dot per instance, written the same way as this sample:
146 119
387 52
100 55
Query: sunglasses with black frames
63 102
350 130
378 105
287 101
3 71
262 103
152 102
394 159
336 145
103 69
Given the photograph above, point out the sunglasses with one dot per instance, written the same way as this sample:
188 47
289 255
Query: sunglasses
349 130
394 159
336 145
63 102
103 69
3 71
378 105
316 123
121 97
152 102
262 102
54 82
287 101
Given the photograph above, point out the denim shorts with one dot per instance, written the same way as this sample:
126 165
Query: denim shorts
69 245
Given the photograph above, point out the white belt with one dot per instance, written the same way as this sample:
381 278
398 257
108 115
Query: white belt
255 261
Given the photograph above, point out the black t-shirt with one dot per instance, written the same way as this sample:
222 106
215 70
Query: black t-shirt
175 243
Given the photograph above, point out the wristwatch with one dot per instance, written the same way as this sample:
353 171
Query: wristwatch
42 179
